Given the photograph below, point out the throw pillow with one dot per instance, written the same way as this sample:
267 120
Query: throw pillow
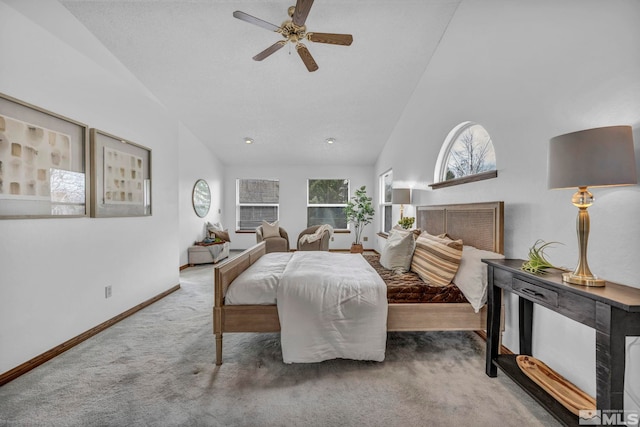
270 229
214 227
223 235
398 251
471 277
436 259
416 231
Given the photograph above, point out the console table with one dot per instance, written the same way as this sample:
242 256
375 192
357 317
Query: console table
613 311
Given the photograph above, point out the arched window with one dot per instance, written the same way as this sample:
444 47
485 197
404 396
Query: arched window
466 155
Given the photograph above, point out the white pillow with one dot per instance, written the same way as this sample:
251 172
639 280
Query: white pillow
213 228
471 277
398 251
270 229
216 226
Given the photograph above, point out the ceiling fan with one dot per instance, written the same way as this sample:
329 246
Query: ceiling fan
293 30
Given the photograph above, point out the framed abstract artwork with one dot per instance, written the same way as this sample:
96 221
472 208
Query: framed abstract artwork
120 176
43 163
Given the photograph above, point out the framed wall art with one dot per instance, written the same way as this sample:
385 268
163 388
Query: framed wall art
43 163
120 176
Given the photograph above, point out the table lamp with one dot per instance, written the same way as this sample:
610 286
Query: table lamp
401 196
599 157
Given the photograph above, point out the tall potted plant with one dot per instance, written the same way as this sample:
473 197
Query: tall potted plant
359 211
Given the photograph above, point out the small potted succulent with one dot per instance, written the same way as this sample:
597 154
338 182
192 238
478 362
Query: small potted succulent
359 211
406 222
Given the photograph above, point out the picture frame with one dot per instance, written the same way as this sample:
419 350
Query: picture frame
44 167
120 177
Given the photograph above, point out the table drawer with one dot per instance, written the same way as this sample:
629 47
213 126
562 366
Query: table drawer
502 278
535 293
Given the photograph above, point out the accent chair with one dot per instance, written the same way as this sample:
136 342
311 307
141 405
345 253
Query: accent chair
319 245
274 244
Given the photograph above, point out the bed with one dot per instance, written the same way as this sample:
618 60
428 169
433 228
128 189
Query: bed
478 224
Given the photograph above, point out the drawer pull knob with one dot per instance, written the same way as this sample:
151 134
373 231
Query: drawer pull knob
532 293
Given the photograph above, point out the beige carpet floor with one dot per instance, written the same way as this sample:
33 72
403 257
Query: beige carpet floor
157 368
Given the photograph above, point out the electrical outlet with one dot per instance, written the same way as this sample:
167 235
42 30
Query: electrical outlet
107 291
365 239
332 238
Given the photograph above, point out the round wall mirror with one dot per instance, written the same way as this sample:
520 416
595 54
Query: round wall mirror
201 198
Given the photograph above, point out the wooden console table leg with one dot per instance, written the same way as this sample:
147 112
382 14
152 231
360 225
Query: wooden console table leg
610 357
525 308
494 303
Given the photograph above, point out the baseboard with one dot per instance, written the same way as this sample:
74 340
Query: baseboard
503 349
50 354
349 250
182 267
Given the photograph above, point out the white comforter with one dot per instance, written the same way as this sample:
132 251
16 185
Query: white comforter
330 305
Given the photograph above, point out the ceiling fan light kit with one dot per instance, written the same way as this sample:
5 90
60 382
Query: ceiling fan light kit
294 31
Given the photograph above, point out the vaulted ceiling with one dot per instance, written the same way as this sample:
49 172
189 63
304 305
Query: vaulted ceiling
196 58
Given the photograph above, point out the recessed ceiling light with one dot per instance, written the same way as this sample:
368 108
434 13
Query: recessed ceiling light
330 140
248 141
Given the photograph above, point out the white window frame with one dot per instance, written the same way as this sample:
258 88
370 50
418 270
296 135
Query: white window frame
440 173
239 205
329 205
384 204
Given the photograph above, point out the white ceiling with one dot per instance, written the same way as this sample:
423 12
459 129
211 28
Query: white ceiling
195 57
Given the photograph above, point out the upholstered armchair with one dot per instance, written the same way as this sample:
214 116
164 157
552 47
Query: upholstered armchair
316 244
274 244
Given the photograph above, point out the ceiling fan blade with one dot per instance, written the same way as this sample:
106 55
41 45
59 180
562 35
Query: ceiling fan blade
268 51
255 21
330 38
302 11
306 57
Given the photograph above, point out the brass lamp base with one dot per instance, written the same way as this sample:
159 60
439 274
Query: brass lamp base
582 275
577 279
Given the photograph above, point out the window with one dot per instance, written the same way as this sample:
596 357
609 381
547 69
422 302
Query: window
256 200
326 200
67 192
467 152
386 192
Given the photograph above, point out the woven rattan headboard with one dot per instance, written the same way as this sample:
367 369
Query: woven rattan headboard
477 224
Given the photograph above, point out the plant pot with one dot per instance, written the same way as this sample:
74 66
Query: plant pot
357 248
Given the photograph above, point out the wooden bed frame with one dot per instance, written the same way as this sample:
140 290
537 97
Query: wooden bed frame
477 224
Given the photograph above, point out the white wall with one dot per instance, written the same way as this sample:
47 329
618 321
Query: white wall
293 203
197 162
53 271
528 71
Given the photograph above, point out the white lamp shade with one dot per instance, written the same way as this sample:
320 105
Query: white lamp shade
401 196
592 158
